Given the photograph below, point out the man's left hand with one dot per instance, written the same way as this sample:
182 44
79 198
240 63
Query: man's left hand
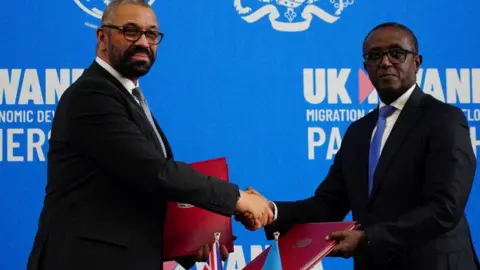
204 251
349 243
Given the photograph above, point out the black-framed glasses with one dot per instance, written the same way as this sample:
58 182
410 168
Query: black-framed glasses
133 34
395 55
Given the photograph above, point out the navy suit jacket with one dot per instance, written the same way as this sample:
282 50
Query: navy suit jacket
414 218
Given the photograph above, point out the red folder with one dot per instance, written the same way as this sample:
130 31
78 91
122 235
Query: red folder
187 228
304 245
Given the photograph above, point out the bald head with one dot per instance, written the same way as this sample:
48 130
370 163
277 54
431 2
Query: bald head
109 12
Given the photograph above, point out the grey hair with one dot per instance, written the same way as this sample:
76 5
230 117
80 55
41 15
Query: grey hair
110 9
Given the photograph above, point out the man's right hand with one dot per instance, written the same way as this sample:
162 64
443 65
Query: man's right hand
255 209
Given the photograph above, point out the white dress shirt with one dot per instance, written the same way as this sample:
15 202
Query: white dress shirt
399 104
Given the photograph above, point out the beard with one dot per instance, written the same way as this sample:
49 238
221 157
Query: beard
123 62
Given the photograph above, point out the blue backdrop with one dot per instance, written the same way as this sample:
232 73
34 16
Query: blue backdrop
271 88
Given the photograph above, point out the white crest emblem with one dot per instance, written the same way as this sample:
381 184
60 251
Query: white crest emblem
303 243
95 8
292 15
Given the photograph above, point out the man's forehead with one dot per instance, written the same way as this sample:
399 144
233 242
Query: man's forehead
135 14
388 37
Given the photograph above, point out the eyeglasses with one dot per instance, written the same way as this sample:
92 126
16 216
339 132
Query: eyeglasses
133 34
396 56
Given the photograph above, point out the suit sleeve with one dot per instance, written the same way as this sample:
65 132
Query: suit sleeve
99 126
329 203
450 167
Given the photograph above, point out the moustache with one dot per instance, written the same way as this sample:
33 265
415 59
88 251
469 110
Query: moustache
130 52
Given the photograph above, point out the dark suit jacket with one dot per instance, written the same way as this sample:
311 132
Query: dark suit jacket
414 218
109 183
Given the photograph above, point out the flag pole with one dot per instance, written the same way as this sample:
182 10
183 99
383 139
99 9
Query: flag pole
273 260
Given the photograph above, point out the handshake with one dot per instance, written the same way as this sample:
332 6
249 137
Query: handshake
253 210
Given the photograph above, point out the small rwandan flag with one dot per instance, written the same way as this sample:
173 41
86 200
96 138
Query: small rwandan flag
273 261
215 258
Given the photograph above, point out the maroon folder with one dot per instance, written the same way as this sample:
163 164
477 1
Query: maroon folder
304 245
187 228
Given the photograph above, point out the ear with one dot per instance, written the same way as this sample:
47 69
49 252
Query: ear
418 62
101 37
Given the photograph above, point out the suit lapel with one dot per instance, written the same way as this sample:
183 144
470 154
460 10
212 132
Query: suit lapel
164 138
96 70
404 124
150 129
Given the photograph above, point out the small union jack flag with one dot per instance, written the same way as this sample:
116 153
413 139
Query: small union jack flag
214 258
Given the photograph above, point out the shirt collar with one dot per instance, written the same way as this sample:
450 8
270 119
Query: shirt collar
400 102
127 83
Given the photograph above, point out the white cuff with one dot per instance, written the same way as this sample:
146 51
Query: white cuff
275 211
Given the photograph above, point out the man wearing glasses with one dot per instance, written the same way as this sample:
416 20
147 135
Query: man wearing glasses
111 171
405 171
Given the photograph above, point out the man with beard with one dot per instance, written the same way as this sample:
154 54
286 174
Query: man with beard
405 170
111 170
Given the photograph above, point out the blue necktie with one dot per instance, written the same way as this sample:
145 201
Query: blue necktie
376 143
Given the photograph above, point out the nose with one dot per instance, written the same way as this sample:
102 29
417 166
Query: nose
142 41
385 61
